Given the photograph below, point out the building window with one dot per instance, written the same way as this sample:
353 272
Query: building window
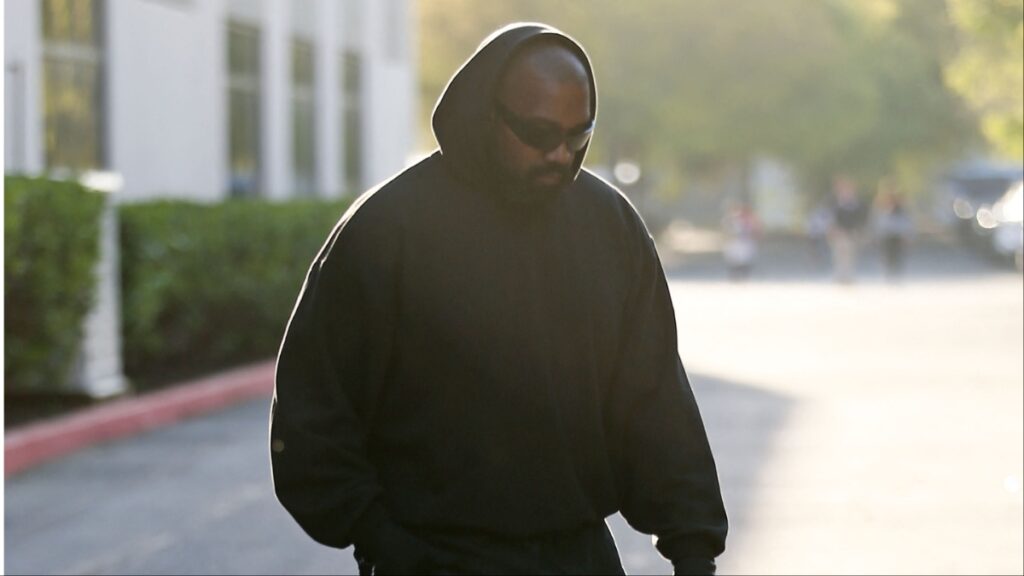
351 117
303 119
73 114
244 160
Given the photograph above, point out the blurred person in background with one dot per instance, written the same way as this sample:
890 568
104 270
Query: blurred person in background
482 365
849 215
741 229
893 227
819 221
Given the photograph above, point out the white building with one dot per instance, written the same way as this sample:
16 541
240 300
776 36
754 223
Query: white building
206 99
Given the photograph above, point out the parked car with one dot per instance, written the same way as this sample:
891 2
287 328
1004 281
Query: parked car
1006 221
970 194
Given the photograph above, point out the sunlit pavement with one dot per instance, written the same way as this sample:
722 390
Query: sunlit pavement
872 428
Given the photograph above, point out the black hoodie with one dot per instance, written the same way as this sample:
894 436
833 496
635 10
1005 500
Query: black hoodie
460 361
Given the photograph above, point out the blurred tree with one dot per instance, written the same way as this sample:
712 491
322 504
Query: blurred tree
890 57
704 86
988 70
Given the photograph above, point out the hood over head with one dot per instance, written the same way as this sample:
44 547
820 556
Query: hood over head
463 120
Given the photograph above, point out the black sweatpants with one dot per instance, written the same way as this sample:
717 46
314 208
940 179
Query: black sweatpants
587 550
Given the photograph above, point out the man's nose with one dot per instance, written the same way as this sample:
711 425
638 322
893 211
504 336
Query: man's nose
561 154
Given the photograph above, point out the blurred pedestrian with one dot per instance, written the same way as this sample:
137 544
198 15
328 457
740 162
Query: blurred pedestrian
894 227
849 215
741 230
482 364
819 221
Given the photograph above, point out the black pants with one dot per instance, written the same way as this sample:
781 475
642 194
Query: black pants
587 550
894 255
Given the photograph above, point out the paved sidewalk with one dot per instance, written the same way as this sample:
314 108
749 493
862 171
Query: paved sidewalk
34 444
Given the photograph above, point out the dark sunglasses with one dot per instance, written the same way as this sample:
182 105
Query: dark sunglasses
544 136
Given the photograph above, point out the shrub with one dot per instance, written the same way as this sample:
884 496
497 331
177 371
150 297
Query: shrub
207 286
51 246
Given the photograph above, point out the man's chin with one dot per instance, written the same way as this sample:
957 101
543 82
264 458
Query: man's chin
534 193
546 189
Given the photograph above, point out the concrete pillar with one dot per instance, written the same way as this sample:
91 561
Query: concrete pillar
328 96
277 119
351 29
99 369
217 111
389 90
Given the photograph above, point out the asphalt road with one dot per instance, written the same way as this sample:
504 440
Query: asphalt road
873 428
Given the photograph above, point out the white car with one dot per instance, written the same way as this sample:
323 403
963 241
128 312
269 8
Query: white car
1005 219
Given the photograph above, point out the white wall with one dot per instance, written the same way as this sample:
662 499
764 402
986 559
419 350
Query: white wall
23 115
276 128
166 103
328 95
166 125
351 26
247 11
304 16
390 93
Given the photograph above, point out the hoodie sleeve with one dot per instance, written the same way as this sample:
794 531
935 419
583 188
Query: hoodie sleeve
330 371
666 473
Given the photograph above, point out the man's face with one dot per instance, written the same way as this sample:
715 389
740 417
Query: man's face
530 101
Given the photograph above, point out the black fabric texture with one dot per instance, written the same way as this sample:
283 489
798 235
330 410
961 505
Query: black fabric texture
462 363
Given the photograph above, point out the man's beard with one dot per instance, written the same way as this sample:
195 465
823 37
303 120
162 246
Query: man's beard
526 190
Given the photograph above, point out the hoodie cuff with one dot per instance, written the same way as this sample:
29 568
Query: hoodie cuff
381 540
369 525
694 566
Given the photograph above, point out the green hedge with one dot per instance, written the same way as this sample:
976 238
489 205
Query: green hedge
207 286
51 245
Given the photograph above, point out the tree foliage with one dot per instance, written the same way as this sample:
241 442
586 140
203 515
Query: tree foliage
832 85
988 70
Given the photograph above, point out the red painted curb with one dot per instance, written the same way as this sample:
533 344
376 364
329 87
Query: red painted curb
34 444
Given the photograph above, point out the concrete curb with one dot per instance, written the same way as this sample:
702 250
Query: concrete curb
35 444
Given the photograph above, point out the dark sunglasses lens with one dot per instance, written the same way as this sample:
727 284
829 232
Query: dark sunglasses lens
541 137
544 139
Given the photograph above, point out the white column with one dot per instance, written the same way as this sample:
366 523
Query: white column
98 371
116 116
372 89
388 92
23 69
215 24
350 24
327 98
277 119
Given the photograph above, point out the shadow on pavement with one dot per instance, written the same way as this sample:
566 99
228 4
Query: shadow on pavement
196 498
743 423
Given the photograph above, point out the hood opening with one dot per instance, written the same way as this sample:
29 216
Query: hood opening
462 121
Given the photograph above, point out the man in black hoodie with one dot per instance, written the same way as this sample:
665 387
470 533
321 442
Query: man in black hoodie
482 364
